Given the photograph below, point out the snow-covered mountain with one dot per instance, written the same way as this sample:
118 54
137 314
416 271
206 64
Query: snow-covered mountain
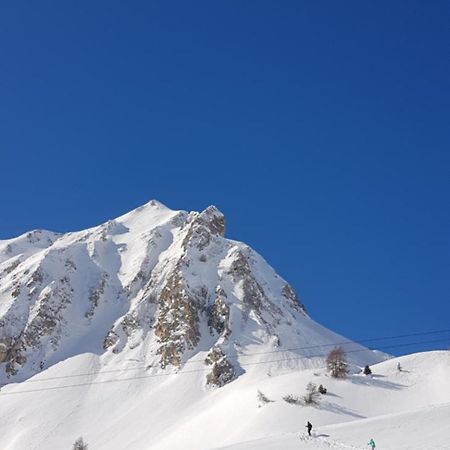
156 285
154 331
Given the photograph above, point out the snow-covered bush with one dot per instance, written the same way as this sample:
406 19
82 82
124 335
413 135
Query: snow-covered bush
80 444
262 399
312 396
292 399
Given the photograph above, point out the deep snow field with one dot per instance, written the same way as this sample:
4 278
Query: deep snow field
137 410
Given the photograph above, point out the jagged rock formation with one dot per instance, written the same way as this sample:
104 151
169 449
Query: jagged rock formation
222 370
164 285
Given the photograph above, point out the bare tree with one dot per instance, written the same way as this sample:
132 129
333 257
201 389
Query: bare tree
80 444
337 363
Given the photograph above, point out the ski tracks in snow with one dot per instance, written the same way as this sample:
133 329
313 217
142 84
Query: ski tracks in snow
326 442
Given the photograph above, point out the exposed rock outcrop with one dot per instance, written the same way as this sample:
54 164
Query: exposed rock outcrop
178 321
219 314
222 371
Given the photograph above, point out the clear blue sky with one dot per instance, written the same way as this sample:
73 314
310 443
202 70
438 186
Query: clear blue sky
321 130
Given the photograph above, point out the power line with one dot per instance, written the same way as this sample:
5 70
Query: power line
308 347
141 377
337 344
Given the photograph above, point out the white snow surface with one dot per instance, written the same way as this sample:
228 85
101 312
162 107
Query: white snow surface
133 410
86 317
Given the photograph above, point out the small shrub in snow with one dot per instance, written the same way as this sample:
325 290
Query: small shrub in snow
322 389
292 399
367 370
80 444
312 396
262 399
336 363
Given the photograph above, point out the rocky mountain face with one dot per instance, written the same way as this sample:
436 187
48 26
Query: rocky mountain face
162 286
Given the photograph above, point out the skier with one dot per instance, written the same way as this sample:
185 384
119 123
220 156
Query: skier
372 444
309 426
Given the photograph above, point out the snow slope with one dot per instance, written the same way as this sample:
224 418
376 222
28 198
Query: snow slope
133 410
408 410
424 429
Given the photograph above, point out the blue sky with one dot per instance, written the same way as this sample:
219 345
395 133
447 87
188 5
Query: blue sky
320 129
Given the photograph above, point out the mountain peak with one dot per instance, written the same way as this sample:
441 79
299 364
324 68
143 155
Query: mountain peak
156 285
154 204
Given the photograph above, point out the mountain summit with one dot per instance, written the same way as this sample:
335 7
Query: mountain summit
158 286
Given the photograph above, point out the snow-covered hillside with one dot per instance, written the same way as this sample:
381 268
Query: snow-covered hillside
132 410
407 410
154 331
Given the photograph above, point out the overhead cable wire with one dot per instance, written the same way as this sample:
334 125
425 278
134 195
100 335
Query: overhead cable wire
246 355
206 369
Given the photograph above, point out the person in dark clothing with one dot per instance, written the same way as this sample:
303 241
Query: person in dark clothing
309 426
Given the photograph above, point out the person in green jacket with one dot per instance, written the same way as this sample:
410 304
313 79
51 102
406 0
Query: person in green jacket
372 444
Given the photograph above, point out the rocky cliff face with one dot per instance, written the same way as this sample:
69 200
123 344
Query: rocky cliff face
165 286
